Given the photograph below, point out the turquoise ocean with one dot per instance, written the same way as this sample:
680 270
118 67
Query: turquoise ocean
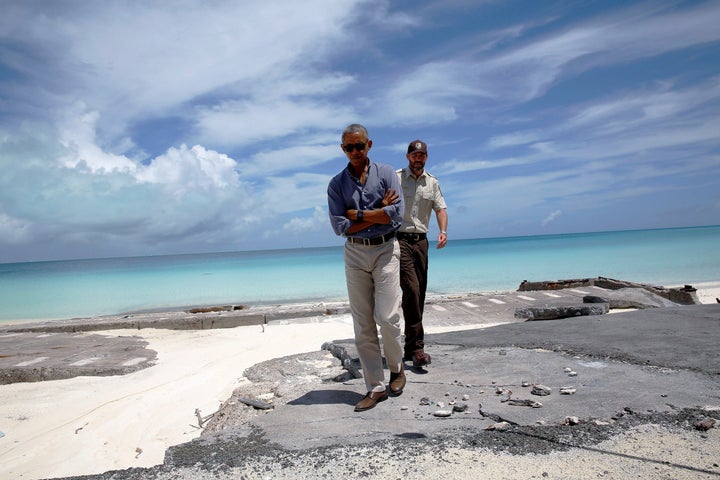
86 288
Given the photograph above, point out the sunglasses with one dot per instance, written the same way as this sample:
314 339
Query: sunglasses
354 146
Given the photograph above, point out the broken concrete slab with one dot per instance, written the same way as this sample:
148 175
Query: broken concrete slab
554 312
686 295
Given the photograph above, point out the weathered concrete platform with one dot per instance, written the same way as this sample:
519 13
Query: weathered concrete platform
65 348
657 365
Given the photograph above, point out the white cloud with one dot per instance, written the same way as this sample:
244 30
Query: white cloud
302 225
551 218
513 139
293 158
13 230
77 136
134 60
236 123
525 72
295 193
182 170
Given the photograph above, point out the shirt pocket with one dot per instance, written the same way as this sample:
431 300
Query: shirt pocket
425 199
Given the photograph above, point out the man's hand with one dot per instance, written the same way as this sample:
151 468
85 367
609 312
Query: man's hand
390 198
442 240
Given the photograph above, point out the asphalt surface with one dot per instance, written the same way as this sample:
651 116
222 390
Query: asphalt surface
655 365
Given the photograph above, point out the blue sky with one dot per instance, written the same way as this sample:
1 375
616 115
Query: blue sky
144 127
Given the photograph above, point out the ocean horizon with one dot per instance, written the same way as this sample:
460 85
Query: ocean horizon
51 290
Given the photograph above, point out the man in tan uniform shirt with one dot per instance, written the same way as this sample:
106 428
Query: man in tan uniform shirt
422 195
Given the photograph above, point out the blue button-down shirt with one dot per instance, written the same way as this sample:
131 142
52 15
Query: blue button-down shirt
345 192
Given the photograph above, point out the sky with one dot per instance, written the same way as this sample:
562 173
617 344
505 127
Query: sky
133 127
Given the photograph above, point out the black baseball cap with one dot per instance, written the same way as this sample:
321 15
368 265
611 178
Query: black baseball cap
417 146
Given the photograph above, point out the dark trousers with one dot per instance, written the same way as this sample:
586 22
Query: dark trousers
413 281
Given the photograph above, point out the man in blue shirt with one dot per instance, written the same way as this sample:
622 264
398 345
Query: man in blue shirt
365 207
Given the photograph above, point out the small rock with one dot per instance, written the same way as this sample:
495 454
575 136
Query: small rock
705 425
447 394
571 421
600 422
540 390
525 383
441 404
499 426
466 397
442 413
498 390
567 391
404 407
572 374
568 369
424 401
460 407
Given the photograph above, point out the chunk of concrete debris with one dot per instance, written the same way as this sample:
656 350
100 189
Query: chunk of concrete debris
540 390
561 311
525 403
571 421
259 404
705 425
499 426
460 407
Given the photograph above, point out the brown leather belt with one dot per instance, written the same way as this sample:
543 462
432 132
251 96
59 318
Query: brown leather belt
372 241
411 237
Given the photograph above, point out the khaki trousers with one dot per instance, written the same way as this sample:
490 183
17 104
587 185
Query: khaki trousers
372 274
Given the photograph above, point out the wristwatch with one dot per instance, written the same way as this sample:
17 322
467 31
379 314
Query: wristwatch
443 232
360 215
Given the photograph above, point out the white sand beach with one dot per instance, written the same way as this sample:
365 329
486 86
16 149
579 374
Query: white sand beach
89 425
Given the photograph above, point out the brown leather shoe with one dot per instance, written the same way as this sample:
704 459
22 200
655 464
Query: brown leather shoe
397 381
420 359
370 400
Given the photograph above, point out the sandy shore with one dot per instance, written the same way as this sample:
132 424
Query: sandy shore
91 425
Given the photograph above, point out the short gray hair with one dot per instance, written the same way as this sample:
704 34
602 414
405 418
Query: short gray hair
355 128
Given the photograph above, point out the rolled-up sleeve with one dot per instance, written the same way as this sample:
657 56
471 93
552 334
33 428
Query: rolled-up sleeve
397 209
336 208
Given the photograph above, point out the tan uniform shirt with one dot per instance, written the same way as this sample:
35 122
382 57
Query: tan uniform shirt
422 196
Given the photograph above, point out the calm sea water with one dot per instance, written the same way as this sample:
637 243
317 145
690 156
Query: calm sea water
83 288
